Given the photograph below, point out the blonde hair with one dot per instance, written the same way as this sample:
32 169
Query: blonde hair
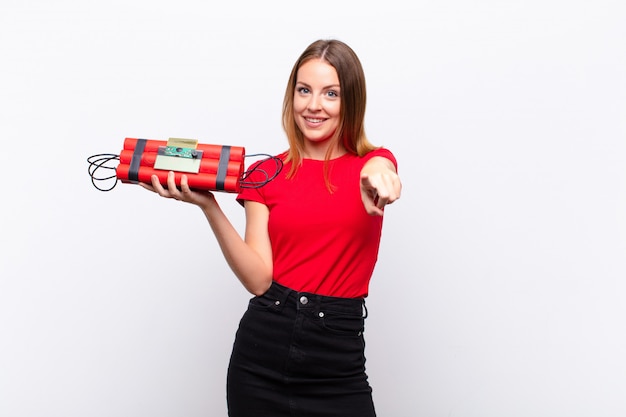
351 130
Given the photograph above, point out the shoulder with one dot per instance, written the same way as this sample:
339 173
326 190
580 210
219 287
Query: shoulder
263 170
383 153
266 160
260 173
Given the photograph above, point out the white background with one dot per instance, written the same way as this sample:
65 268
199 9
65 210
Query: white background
500 288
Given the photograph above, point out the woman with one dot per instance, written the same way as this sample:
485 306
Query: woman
310 246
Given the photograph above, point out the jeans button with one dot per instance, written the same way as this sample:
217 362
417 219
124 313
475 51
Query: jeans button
304 300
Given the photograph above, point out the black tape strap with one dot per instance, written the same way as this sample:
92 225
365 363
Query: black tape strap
135 162
222 168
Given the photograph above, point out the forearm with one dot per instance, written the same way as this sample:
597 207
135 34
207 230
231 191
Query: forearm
380 185
251 262
247 264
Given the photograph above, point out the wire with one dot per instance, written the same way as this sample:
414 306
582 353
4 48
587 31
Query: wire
245 183
104 161
101 161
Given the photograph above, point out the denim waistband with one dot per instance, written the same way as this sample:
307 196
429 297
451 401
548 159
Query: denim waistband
310 301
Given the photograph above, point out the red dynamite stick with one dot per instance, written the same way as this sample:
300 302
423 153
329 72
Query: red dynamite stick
200 181
208 166
236 154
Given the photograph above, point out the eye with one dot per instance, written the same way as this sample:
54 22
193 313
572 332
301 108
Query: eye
333 94
302 90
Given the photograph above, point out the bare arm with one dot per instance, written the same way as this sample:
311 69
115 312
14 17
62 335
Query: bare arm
249 259
380 185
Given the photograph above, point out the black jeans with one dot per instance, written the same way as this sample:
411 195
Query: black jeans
299 355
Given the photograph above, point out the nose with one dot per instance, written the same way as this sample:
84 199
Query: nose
315 103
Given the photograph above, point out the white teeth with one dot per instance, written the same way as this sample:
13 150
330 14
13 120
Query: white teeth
314 120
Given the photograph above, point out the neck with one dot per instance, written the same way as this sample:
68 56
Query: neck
318 151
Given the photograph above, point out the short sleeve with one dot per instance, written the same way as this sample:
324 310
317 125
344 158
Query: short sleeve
256 177
384 152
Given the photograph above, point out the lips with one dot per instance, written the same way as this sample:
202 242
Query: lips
314 120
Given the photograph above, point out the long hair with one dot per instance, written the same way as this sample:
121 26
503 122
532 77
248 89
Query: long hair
351 130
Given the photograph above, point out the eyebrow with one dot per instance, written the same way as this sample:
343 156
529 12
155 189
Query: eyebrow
323 88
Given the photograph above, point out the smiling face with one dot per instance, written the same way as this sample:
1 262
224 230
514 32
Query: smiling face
317 105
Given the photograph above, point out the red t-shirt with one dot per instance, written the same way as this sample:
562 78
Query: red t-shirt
322 242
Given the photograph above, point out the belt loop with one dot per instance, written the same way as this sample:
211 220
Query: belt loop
284 295
279 294
365 313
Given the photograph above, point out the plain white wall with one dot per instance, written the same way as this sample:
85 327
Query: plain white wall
500 286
